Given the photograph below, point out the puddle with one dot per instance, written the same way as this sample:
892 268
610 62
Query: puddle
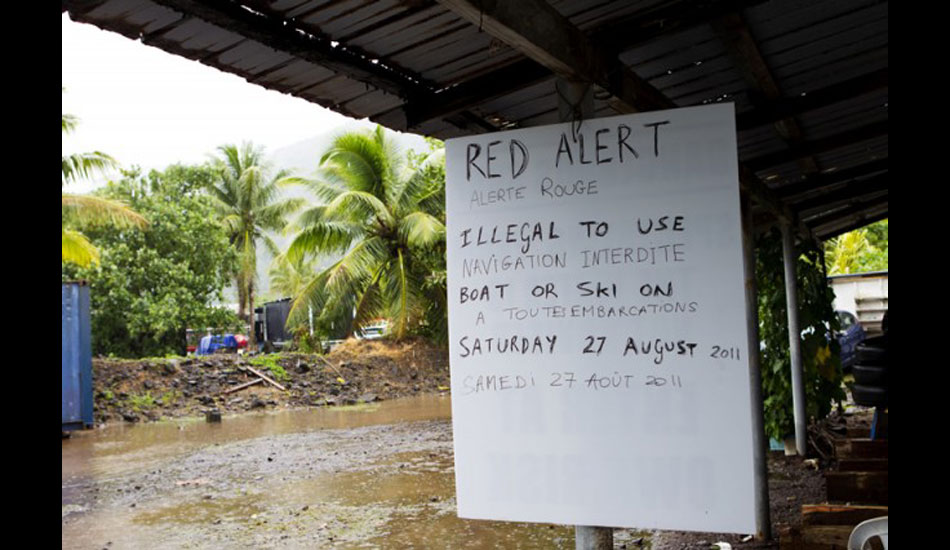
374 476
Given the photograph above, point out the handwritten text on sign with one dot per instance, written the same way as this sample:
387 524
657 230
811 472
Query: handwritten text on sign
597 324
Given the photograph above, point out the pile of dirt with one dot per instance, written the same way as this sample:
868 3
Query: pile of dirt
356 371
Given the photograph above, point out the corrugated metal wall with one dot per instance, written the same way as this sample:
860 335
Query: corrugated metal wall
77 357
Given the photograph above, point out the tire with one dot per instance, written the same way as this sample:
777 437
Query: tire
869 396
871 352
870 375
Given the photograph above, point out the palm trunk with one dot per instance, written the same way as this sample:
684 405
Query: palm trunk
242 299
252 335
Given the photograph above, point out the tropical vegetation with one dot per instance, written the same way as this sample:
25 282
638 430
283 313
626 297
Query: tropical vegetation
248 204
821 361
150 286
382 213
858 251
84 211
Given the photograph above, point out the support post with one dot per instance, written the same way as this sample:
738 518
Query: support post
576 101
763 522
794 338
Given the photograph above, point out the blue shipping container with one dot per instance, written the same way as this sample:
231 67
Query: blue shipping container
77 358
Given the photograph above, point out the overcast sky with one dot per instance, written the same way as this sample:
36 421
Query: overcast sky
149 108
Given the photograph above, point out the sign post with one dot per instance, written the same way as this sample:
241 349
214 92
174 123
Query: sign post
599 344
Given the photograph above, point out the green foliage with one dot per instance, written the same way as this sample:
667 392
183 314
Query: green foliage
151 285
83 210
821 359
269 362
247 204
385 214
858 251
140 402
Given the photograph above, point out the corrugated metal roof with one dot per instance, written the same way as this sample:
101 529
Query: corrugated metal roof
417 65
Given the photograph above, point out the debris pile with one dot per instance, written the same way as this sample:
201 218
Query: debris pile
356 371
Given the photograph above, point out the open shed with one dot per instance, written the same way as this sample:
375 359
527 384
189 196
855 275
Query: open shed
808 77
809 80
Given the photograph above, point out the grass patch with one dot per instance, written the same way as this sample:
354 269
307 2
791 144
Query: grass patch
142 401
269 362
170 397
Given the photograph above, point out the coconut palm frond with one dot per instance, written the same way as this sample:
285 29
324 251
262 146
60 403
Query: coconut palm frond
88 210
381 215
421 230
84 165
78 250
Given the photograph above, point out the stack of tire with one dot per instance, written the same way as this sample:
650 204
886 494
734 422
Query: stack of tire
870 371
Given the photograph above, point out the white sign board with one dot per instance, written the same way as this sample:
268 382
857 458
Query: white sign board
598 338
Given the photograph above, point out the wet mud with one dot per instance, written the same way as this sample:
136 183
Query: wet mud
371 476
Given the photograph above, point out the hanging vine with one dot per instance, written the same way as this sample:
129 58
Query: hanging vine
821 359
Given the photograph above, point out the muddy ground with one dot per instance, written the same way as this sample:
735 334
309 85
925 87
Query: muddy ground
386 485
356 371
389 484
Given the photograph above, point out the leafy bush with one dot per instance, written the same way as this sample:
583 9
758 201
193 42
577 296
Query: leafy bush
269 362
152 285
821 354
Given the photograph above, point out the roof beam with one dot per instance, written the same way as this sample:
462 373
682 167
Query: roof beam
300 42
740 44
484 88
616 36
625 33
818 146
819 182
782 108
847 226
858 209
852 191
541 33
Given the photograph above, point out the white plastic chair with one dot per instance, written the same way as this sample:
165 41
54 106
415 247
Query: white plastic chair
866 530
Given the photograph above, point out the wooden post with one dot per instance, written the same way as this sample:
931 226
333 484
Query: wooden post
763 522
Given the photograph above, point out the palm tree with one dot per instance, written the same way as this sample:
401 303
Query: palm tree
844 252
289 278
86 210
386 219
249 205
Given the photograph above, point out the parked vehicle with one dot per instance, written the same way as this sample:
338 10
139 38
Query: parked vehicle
373 331
213 343
850 334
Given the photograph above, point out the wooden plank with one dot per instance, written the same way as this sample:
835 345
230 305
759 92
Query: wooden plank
826 537
861 487
860 448
242 386
821 537
862 465
266 379
833 514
